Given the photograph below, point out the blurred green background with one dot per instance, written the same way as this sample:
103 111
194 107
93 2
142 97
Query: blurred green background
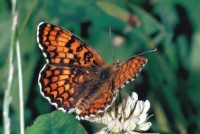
170 79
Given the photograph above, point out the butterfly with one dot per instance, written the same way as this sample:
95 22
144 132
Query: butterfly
75 77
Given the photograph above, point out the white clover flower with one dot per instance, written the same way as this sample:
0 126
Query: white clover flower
129 117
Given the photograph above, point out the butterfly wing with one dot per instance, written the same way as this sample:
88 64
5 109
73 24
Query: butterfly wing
128 71
62 48
62 86
101 104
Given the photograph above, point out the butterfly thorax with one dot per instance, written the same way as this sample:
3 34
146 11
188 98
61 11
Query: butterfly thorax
95 87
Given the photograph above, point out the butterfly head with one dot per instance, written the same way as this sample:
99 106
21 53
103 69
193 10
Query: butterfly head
106 72
116 63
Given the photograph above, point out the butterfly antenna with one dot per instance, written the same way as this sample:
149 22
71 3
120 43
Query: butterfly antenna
110 35
149 51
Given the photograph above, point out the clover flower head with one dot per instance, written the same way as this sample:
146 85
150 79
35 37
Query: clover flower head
129 117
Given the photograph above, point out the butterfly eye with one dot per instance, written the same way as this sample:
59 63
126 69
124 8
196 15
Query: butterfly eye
104 75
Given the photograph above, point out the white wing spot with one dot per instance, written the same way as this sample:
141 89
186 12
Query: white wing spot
132 79
40 46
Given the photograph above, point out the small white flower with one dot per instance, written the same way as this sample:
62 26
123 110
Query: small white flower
102 131
115 126
130 116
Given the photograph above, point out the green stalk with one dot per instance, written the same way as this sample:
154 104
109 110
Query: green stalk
35 2
7 96
21 100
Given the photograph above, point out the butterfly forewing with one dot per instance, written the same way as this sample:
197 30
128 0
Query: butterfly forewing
61 48
128 71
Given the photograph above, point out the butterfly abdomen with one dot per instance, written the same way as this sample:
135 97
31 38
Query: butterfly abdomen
95 89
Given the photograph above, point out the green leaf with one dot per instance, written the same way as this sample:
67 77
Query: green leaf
56 123
113 10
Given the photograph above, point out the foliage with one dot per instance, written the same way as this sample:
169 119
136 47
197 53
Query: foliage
56 122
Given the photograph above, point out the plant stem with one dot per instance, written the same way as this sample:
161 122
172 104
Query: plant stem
35 2
21 100
7 97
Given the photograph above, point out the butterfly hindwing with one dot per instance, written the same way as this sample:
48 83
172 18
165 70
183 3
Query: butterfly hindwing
62 48
101 104
62 86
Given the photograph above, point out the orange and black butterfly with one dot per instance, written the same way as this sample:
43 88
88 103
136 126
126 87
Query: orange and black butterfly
75 77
